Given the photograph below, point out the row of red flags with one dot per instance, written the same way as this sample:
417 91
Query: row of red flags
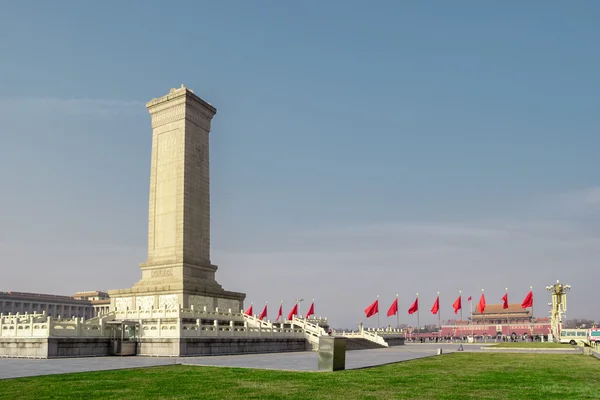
293 311
457 305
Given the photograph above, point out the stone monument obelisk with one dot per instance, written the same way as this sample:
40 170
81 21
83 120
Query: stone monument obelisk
179 271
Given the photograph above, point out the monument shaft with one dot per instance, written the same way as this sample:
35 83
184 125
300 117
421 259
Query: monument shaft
178 270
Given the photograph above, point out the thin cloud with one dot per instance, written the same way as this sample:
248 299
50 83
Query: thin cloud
587 199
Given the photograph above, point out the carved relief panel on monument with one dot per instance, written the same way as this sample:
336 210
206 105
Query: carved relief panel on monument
124 303
168 301
144 302
228 304
199 302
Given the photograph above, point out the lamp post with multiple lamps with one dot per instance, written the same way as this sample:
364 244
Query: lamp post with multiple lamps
559 306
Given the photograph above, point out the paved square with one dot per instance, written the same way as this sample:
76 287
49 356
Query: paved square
300 361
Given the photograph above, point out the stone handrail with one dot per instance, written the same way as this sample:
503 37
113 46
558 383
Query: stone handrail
39 325
370 335
166 323
374 337
312 331
191 312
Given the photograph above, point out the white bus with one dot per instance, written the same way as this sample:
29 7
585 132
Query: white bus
571 336
594 335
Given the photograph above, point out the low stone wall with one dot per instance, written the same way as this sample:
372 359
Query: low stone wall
162 347
78 347
218 346
20 347
396 341
54 347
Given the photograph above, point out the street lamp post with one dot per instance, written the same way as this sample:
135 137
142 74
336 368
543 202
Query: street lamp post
559 306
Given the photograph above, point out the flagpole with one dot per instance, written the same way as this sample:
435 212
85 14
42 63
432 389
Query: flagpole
439 315
507 320
397 313
482 317
472 327
460 295
377 312
532 320
418 323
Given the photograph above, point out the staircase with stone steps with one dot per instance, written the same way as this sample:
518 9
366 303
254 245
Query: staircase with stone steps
355 343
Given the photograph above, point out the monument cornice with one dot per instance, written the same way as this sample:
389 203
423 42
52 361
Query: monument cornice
185 94
180 104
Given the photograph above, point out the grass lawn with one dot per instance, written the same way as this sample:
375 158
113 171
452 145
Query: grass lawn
452 376
534 345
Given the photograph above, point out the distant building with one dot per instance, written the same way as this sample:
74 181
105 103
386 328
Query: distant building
496 314
82 304
495 320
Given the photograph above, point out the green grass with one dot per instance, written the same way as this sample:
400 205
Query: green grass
534 345
452 376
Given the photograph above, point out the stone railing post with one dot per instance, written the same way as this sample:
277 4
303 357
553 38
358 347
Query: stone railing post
179 327
216 325
159 327
231 326
199 327
1 323
246 327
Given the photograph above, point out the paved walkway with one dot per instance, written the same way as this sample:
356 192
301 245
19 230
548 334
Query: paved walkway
300 361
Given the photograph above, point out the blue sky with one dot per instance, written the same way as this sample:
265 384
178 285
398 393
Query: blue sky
357 150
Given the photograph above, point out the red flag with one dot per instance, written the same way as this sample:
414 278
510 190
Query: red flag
293 312
249 310
372 309
414 307
470 298
457 304
280 313
443 321
505 300
263 313
311 310
528 302
481 305
436 306
393 310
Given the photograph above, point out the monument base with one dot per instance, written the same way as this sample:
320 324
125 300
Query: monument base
167 297
53 347
159 289
189 347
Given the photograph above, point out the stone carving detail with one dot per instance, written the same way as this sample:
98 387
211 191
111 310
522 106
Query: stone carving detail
198 118
159 273
168 301
168 115
228 304
199 302
123 303
144 302
178 112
